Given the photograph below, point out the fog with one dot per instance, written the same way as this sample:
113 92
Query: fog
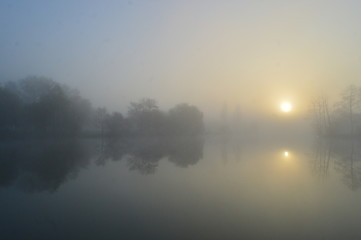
248 53
155 119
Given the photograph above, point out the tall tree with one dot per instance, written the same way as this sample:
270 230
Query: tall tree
10 106
185 119
348 109
146 118
321 115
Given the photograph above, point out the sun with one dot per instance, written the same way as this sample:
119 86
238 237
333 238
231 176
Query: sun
286 107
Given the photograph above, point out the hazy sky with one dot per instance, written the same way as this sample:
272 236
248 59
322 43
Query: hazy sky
252 53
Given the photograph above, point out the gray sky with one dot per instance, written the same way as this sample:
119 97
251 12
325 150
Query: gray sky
252 53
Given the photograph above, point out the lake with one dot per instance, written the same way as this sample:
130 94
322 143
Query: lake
189 188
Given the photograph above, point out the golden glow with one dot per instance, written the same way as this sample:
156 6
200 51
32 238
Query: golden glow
286 155
286 107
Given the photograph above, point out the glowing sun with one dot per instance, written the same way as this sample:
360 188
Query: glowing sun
286 107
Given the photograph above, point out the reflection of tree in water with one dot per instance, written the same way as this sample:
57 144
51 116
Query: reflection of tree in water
41 166
322 153
224 148
54 166
45 166
346 157
231 147
349 164
237 149
111 149
185 151
9 169
143 155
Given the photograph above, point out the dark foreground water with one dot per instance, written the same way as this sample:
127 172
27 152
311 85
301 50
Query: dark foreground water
180 189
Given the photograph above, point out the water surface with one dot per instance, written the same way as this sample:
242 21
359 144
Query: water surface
217 188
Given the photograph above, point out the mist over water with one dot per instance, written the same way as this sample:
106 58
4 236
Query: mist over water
218 188
180 120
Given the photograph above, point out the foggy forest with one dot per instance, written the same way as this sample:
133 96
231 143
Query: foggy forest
153 119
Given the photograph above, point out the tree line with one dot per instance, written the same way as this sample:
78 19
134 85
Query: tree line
39 106
339 119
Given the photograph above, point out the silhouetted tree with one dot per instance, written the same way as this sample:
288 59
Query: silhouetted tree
39 105
31 88
349 107
115 125
100 117
321 116
344 119
10 107
185 119
80 108
55 113
146 118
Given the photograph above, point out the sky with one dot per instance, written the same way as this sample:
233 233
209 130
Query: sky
249 53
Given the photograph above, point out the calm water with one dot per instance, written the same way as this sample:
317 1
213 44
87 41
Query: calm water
180 189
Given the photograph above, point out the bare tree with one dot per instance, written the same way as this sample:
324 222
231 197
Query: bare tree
100 117
321 115
348 108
